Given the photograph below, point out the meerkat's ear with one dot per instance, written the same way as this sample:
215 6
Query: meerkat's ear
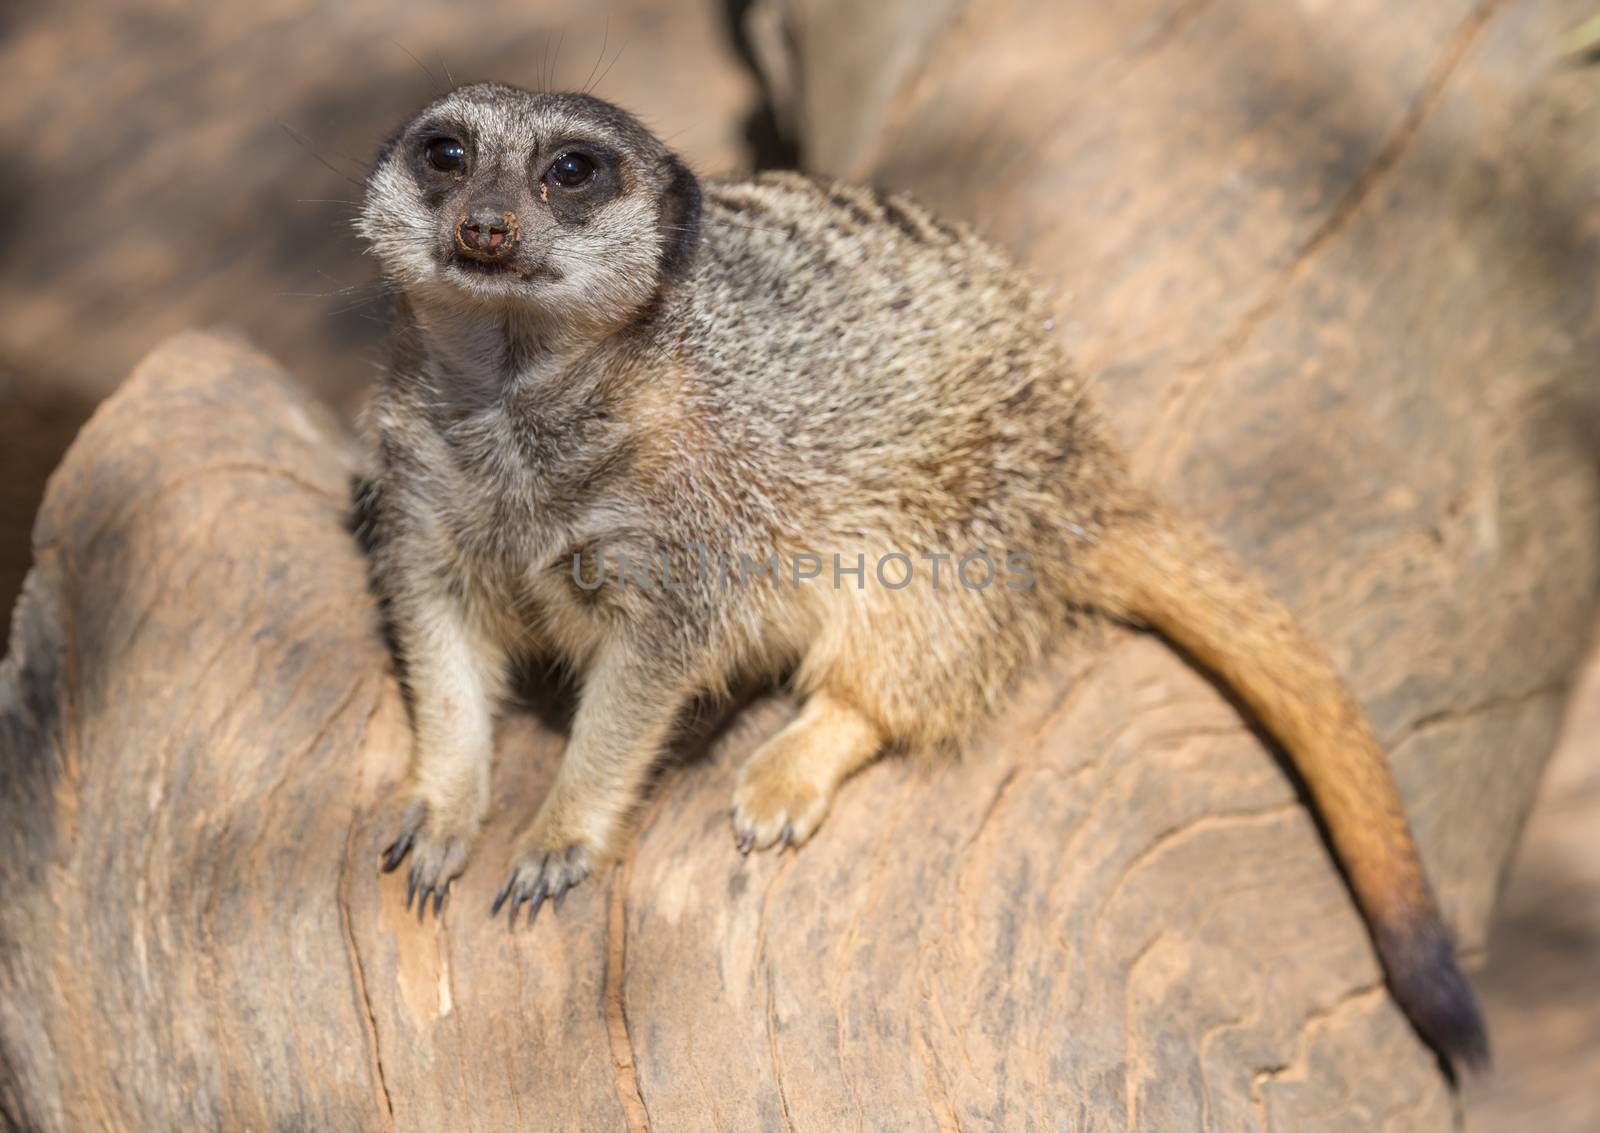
680 217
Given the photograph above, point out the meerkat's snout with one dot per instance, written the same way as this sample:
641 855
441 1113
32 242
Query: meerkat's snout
487 234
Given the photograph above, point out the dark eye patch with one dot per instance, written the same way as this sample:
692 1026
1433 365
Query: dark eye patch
582 176
447 155
572 170
441 154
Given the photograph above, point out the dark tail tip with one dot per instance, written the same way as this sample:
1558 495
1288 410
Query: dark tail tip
1434 993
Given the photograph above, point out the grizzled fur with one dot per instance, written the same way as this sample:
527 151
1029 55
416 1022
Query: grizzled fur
784 366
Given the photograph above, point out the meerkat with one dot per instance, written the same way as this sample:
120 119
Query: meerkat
598 358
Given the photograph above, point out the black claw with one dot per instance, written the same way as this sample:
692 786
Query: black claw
786 837
537 899
438 899
500 897
422 903
560 894
747 840
411 888
517 899
397 851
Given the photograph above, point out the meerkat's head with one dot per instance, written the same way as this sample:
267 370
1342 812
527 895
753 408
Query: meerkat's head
558 203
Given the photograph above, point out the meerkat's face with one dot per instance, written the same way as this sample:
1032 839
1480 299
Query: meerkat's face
558 202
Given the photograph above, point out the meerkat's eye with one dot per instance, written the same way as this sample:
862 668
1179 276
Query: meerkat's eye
571 170
447 155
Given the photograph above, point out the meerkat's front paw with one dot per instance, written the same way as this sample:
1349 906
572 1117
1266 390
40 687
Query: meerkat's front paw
548 863
777 803
438 846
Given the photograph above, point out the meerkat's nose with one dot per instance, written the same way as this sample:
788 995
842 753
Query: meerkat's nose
486 234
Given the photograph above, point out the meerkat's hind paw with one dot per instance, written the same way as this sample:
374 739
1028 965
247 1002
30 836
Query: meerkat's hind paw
772 807
747 840
785 788
540 876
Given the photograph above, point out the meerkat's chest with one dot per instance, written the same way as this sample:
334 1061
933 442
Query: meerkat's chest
520 530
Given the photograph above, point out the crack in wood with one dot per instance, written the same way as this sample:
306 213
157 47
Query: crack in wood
1178 834
762 962
358 970
1296 1068
1176 417
1444 716
624 1066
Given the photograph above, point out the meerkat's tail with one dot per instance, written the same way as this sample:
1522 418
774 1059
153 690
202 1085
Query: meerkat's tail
1151 570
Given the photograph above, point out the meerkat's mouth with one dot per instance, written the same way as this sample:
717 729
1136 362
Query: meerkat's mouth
473 273
482 267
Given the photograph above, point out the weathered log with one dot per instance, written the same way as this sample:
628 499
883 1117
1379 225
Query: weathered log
1115 911
1334 267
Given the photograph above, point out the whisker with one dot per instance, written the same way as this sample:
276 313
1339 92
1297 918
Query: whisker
305 143
609 65
356 306
381 288
431 77
605 38
725 224
555 59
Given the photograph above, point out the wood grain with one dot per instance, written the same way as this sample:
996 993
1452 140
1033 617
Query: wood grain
1343 312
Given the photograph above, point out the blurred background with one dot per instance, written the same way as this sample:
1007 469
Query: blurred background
182 164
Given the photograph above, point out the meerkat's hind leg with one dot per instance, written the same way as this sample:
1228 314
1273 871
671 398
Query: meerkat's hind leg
785 788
